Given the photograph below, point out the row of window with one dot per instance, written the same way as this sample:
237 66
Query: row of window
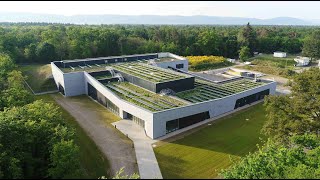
96 95
180 123
250 99
112 107
135 119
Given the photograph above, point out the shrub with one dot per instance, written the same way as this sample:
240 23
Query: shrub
199 63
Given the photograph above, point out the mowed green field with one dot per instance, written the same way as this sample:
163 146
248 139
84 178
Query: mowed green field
92 160
38 77
204 153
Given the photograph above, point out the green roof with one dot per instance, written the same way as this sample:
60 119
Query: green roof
148 72
142 97
205 91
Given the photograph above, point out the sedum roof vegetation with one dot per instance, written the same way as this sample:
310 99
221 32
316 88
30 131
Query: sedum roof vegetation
205 91
148 72
142 97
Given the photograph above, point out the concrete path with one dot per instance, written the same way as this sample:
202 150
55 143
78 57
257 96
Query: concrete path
118 151
146 159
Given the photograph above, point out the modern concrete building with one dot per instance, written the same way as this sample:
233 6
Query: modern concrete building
156 90
279 54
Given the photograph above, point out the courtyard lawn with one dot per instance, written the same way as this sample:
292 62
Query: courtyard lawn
205 152
93 161
39 77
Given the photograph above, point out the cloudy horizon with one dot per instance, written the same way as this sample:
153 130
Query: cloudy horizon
244 9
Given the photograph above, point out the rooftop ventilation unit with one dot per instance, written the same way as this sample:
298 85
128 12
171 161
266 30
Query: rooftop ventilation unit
152 62
110 69
167 92
120 77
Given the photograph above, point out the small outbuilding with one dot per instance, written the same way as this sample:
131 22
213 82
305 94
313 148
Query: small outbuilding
279 54
302 61
231 60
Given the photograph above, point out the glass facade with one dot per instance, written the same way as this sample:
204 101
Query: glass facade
180 123
135 119
112 107
252 98
96 95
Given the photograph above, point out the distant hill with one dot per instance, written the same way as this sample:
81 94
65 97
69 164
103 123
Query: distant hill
150 19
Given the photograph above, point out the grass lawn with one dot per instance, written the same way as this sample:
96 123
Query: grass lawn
93 161
287 61
272 65
205 152
38 77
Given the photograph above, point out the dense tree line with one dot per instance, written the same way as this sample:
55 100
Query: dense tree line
34 140
32 42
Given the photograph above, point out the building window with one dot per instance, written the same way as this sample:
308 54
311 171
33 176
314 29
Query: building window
92 92
172 125
251 98
112 107
135 119
180 123
179 66
61 89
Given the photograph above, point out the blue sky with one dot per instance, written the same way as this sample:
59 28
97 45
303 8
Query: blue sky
253 9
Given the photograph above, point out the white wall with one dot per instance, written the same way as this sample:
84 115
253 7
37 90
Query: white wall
57 75
279 54
215 107
163 54
74 84
167 54
165 64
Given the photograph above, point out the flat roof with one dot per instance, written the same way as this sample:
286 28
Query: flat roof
205 91
108 57
164 59
143 97
148 72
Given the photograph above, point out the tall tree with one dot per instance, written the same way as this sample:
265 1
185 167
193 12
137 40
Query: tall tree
6 65
298 112
311 45
46 52
248 37
300 158
36 143
244 53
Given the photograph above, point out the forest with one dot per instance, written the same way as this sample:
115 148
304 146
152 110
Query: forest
35 142
43 43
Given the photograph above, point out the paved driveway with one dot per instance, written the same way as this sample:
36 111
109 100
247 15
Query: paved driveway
117 149
147 161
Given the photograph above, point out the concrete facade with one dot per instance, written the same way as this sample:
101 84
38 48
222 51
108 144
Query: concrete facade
76 83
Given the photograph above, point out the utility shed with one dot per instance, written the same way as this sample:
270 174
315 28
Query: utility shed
279 54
